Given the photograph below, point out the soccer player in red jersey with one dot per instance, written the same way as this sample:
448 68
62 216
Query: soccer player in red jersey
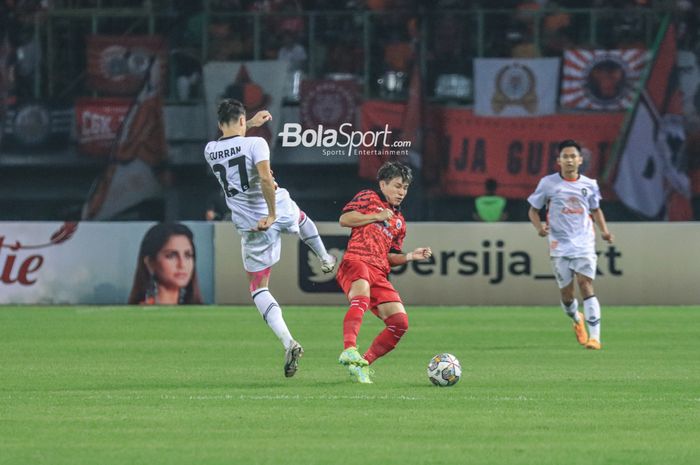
378 231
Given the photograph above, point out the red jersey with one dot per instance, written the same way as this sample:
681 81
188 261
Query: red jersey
373 242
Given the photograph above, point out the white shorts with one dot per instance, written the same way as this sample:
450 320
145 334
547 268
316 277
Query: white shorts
261 249
565 267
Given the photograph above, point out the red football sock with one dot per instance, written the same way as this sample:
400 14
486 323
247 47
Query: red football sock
396 327
353 320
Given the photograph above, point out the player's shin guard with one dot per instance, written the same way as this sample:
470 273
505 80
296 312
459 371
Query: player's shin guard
272 314
396 327
571 309
591 308
353 320
308 232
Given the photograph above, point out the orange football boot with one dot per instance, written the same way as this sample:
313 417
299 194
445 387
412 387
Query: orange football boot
580 330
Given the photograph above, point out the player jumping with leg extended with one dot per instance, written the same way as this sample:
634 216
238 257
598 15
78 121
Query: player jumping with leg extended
261 212
572 201
378 231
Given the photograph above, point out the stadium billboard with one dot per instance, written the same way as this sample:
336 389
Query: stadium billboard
484 264
82 263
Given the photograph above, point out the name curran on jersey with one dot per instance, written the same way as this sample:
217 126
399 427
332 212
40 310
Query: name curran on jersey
218 155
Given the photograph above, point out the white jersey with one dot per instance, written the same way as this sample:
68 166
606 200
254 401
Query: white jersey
233 160
569 205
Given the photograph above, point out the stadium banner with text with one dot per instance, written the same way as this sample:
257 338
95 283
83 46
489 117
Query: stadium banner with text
83 263
518 152
482 264
97 122
117 65
260 85
515 87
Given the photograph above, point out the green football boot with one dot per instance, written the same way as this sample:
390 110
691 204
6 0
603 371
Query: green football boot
360 373
351 356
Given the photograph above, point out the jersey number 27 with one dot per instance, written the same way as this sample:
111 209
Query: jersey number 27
220 170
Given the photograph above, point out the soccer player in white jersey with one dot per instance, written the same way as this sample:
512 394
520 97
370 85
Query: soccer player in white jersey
573 205
261 211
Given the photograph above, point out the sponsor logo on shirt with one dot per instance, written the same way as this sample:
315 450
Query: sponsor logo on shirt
573 207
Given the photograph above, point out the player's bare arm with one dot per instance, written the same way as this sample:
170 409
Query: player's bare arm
259 119
421 253
534 215
355 219
267 185
599 219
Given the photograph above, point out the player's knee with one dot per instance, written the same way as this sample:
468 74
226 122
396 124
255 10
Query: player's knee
259 279
585 284
567 294
398 324
359 287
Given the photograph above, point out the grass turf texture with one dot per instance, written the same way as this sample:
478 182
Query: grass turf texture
108 385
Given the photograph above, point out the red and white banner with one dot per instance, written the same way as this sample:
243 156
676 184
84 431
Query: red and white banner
139 146
328 102
408 125
515 87
461 150
374 116
97 123
518 152
601 79
650 166
117 65
640 181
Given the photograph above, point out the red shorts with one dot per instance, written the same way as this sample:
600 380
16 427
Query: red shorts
380 289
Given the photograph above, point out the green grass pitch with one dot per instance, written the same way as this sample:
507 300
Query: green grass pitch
118 385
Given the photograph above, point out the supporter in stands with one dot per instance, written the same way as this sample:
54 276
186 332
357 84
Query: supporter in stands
490 207
165 270
292 52
227 42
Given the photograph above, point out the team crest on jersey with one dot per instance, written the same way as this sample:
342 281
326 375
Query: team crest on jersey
584 192
398 224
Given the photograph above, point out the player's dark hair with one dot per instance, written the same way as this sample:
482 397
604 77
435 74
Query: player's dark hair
491 185
230 110
152 242
569 143
394 169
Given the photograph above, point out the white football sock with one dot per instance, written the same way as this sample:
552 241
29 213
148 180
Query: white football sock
571 310
591 308
272 314
308 232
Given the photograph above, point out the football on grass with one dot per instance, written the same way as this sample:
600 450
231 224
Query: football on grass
444 370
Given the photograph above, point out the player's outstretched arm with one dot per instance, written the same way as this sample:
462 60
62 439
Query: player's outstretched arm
421 253
355 219
599 219
259 119
534 215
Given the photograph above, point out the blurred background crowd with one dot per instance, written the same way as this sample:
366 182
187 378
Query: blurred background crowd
54 106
